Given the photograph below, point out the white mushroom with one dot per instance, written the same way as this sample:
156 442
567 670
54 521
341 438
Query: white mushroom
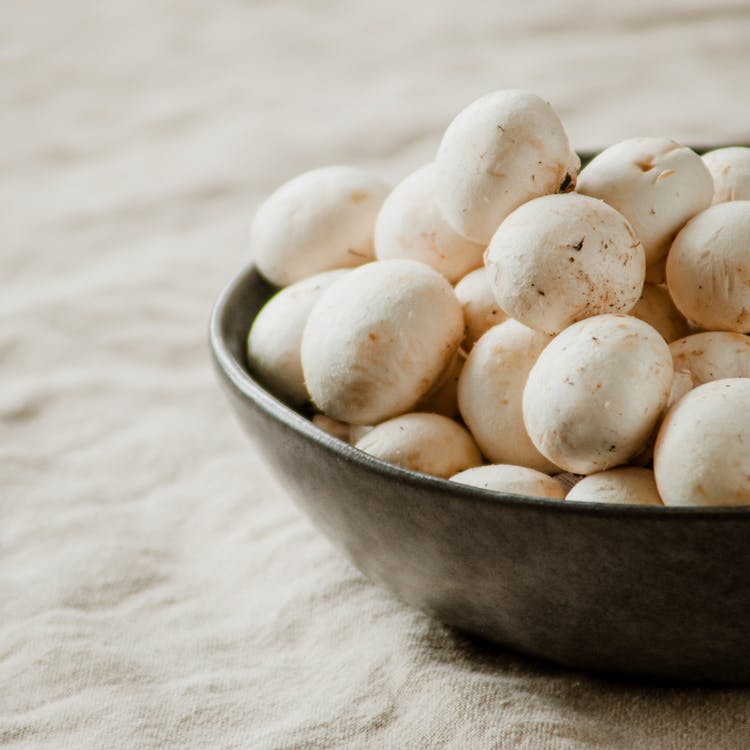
481 310
275 337
430 443
562 258
595 393
317 221
490 391
502 150
712 355
516 480
378 339
624 486
701 455
655 183
730 169
656 308
409 225
708 268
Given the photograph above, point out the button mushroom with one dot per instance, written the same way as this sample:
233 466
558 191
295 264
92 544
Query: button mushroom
502 150
708 268
561 258
409 225
730 169
275 337
516 480
596 391
655 183
430 443
624 486
481 310
490 391
712 355
378 339
701 455
317 221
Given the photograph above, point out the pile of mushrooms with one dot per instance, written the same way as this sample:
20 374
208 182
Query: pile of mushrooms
507 320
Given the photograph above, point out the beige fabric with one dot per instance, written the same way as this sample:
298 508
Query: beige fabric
157 589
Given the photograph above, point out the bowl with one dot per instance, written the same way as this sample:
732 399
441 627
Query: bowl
654 592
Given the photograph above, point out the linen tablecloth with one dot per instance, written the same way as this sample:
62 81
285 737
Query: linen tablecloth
157 589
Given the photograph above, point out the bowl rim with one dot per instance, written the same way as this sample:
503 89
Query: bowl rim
240 378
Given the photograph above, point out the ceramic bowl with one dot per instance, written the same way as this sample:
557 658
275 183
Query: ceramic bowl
644 591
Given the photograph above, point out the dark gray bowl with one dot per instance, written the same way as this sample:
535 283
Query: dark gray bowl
643 591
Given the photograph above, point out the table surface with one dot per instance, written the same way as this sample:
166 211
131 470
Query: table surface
158 589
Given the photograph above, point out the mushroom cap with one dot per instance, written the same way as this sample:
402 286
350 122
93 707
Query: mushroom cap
655 183
712 355
656 308
481 310
561 258
730 169
701 455
275 337
430 443
317 221
516 480
409 225
490 392
595 393
378 339
708 268
504 149
624 486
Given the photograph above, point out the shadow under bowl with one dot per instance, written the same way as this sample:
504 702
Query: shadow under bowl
644 591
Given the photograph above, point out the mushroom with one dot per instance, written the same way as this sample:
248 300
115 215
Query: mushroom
596 391
655 183
516 480
430 443
561 258
480 307
701 455
317 221
730 169
656 308
409 225
708 268
378 339
712 355
490 391
502 150
624 486
275 337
